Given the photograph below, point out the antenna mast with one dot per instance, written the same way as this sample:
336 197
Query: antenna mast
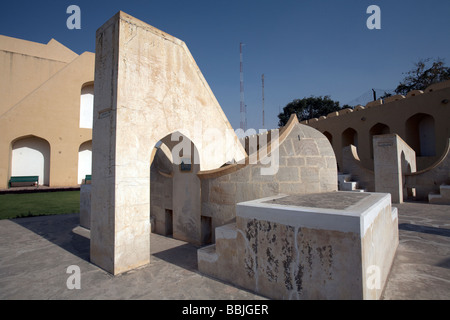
262 78
243 107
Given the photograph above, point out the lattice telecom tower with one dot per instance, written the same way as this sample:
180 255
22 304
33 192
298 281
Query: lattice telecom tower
243 106
262 79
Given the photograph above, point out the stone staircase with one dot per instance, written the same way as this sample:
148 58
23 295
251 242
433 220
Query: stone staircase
443 197
345 183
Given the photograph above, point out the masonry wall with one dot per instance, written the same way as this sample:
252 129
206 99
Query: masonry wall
40 86
396 114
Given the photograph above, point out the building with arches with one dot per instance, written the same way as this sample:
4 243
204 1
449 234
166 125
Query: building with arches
45 112
421 119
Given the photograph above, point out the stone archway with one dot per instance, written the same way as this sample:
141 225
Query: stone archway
175 190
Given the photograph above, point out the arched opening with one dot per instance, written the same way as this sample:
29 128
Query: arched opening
87 105
420 134
84 160
378 129
175 197
349 136
329 137
30 156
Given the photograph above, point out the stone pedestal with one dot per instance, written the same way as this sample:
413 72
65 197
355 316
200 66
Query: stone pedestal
337 245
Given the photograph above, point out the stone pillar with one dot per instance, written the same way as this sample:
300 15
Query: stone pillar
392 159
120 217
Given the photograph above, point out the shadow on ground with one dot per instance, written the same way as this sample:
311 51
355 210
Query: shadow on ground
184 256
64 231
424 229
58 229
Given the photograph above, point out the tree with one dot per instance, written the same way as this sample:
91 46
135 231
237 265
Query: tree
307 108
423 75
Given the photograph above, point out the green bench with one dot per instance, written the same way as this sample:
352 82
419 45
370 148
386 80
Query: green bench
23 181
88 179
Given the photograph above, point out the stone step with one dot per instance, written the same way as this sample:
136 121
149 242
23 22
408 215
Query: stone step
207 254
226 237
227 231
445 191
443 197
437 198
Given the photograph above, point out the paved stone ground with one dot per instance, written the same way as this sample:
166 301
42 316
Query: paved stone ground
35 253
421 269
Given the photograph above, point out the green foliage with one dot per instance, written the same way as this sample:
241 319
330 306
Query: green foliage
37 204
307 108
423 75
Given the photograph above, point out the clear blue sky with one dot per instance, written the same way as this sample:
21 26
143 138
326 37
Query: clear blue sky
303 47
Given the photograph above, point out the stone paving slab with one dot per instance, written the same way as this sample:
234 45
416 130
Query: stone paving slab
328 200
36 252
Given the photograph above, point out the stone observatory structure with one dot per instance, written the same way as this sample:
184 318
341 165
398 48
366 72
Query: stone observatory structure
166 159
147 86
297 237
298 160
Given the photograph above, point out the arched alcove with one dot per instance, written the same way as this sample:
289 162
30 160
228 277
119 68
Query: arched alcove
329 137
349 136
420 134
377 129
30 156
87 105
84 160
175 197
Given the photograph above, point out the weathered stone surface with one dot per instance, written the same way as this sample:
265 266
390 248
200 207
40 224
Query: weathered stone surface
327 200
306 147
292 247
85 206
